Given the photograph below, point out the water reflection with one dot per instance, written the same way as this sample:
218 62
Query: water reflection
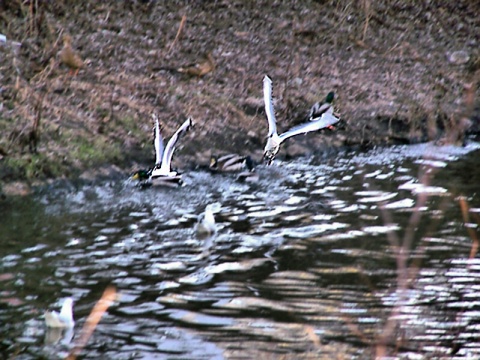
302 263
58 335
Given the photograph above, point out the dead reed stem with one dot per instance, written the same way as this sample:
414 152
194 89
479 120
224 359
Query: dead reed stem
366 8
109 295
471 232
402 250
179 32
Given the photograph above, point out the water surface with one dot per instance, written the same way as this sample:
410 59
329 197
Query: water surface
305 262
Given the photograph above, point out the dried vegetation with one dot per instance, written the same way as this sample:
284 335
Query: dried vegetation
403 71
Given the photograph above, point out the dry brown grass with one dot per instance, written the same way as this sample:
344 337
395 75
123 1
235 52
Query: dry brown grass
385 60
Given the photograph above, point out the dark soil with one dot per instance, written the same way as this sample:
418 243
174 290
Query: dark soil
402 71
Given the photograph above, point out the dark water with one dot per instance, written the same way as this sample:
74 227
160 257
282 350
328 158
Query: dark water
305 263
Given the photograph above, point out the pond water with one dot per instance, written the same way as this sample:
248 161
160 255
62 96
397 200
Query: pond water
342 256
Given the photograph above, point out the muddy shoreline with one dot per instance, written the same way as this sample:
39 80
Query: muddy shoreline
402 73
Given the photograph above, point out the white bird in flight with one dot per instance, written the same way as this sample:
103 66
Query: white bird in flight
164 155
161 173
64 319
274 140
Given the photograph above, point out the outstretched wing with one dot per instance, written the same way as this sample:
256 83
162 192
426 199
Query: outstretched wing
267 97
158 142
324 121
170 148
66 313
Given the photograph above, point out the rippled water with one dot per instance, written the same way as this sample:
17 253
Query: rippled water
303 265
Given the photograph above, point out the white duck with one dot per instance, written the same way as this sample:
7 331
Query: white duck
274 140
166 153
206 222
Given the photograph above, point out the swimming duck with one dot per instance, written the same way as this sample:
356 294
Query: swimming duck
142 175
249 176
319 108
231 163
64 319
206 223
161 173
70 57
273 139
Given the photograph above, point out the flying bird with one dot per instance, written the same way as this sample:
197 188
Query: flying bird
161 173
274 140
64 319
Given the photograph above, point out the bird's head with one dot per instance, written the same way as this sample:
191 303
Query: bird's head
213 162
141 175
330 97
191 123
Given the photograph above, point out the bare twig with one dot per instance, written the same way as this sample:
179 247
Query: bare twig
406 272
356 331
109 295
34 133
179 32
366 5
466 219
314 338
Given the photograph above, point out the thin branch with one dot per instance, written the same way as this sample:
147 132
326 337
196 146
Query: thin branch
471 232
179 32
109 295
